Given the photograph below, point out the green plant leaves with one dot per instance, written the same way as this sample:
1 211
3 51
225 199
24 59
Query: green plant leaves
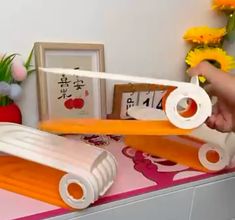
6 74
231 27
28 63
5 67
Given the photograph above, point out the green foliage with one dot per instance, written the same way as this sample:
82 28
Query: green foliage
5 68
28 65
5 72
231 27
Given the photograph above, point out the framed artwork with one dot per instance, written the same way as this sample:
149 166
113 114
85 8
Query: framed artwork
64 96
137 94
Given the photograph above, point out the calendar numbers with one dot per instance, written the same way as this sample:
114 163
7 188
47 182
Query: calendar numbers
159 105
129 99
157 100
146 102
146 98
151 99
136 94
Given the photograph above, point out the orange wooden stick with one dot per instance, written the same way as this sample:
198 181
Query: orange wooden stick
120 127
33 180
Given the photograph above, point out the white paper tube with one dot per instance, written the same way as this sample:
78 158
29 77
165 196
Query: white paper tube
202 100
222 144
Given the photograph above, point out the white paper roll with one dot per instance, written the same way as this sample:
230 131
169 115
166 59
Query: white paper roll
222 144
93 169
202 100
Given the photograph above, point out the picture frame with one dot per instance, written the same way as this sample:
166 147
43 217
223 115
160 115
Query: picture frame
135 94
64 96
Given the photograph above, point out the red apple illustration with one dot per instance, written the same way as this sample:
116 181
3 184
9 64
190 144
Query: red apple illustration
78 103
68 104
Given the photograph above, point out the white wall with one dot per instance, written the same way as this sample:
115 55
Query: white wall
142 37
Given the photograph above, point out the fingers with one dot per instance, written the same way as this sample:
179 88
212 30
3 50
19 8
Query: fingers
210 122
222 84
204 69
221 118
218 123
210 90
214 75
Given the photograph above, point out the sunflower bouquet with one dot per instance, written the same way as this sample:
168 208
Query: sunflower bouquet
208 42
12 72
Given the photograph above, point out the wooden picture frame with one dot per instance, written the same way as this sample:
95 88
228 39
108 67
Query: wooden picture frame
136 89
87 98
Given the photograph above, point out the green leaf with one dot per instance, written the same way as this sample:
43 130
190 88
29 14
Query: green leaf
230 28
31 71
5 67
28 62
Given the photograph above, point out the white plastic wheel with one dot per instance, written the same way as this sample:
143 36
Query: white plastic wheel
204 106
88 193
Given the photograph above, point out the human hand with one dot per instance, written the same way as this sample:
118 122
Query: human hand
221 85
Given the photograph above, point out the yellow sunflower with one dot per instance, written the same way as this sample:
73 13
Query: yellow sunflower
216 55
204 35
223 4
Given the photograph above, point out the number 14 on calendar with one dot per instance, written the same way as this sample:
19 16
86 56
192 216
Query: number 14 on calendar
149 99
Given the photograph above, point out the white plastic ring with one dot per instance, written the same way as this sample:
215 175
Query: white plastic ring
88 194
223 159
204 107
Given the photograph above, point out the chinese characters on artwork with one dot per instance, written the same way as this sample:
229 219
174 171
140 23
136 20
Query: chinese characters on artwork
66 86
78 83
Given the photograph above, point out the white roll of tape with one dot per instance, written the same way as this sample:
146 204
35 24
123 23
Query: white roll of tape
199 96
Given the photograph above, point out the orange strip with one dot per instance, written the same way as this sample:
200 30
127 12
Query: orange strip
182 150
168 91
124 127
32 180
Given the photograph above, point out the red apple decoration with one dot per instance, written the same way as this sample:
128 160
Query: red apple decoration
78 103
68 104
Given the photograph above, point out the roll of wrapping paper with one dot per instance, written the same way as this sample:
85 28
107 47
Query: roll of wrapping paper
34 180
191 151
53 169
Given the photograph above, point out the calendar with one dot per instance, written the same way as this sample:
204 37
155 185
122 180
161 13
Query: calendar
129 95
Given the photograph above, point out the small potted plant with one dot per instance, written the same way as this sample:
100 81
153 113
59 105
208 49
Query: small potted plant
12 72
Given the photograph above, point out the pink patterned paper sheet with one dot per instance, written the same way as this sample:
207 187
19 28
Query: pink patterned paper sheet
138 173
